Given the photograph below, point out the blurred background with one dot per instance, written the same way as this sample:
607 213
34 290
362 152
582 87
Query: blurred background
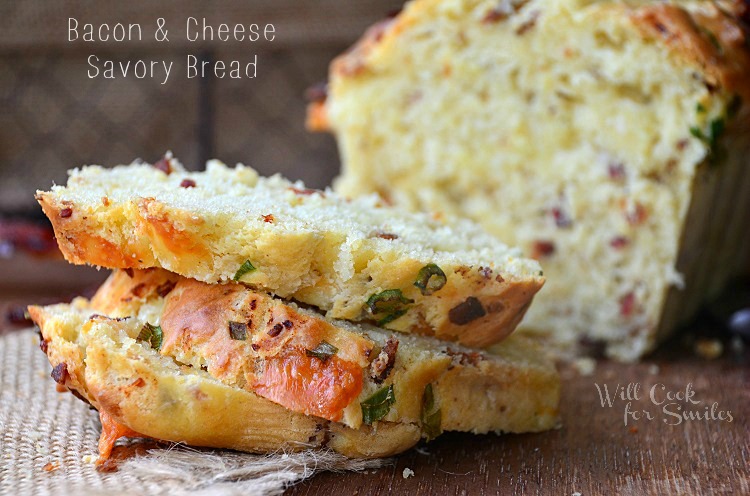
53 117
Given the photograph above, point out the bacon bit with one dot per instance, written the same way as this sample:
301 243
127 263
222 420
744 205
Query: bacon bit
51 466
66 212
305 192
486 272
463 358
309 385
253 304
111 432
105 201
43 345
166 288
275 330
616 171
317 93
129 272
562 219
60 373
381 367
139 290
255 346
139 382
288 324
542 249
619 242
187 183
269 218
627 304
163 165
494 16
468 311
499 278
526 26
637 214
462 270
682 144
385 235
495 307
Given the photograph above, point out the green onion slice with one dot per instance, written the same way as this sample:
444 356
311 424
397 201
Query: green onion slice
431 418
430 278
238 330
152 335
323 351
378 405
391 303
245 268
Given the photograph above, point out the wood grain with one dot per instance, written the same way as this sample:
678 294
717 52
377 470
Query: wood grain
594 452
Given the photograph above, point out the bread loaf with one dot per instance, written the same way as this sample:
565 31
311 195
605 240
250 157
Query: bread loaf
607 138
357 260
221 365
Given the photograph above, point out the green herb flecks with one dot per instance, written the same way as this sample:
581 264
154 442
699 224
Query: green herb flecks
711 137
245 268
700 108
152 335
378 405
323 351
431 417
430 278
238 330
390 303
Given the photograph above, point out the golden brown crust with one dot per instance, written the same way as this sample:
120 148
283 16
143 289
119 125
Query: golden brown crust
714 39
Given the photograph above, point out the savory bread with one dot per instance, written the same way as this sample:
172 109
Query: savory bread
221 365
358 260
607 138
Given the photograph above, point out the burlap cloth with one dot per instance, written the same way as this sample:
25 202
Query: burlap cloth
48 443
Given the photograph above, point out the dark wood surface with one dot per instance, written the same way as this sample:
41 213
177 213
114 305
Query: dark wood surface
593 452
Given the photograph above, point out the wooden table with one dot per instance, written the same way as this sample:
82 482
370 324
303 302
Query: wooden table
594 452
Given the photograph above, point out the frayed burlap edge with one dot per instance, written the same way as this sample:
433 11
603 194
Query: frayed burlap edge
48 445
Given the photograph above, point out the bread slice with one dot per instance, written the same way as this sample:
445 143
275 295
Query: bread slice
358 260
220 365
609 139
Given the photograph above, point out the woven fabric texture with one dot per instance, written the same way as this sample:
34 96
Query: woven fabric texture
48 445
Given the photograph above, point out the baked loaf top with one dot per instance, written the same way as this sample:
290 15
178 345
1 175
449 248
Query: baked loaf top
358 260
219 365
606 138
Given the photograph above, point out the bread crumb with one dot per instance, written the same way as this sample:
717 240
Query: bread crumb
88 459
408 473
709 349
585 365
653 369
576 494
